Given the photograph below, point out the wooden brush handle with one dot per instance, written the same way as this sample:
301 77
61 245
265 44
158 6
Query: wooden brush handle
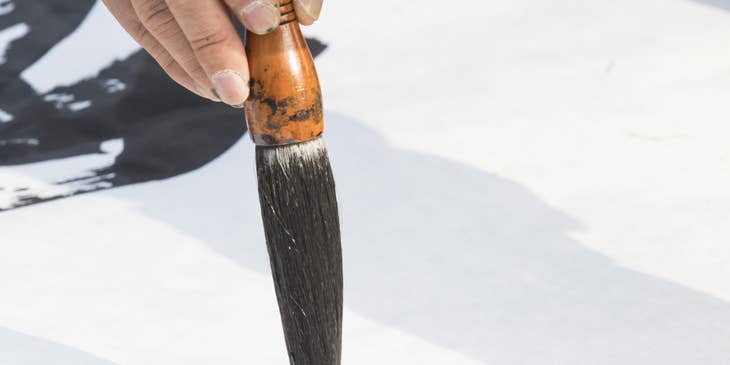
285 105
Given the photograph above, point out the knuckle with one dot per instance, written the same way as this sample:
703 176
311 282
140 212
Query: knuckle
154 14
162 24
197 70
209 39
198 73
158 52
192 66
178 3
141 35
167 64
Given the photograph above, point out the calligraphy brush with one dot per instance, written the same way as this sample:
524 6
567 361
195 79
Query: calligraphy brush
296 191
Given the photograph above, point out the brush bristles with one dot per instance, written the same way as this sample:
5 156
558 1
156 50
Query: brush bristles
299 210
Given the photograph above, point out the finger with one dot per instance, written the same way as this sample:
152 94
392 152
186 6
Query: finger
160 23
259 16
213 38
308 10
125 15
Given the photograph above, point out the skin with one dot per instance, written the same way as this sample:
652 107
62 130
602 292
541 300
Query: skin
196 43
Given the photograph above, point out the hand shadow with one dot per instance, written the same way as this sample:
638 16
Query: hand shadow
461 258
20 349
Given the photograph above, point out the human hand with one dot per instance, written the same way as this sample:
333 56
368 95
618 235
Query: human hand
196 43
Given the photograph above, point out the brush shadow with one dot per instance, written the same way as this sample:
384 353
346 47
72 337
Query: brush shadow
461 258
21 349
722 4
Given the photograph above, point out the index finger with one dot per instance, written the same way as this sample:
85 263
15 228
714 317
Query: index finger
208 27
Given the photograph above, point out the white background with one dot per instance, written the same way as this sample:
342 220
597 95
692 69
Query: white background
521 182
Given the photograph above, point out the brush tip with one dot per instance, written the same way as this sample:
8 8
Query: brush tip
301 223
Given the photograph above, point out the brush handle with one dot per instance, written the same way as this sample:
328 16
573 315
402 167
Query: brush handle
285 104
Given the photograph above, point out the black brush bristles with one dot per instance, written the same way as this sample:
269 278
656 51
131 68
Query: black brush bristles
301 222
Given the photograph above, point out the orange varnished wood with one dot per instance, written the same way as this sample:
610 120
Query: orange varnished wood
287 12
285 105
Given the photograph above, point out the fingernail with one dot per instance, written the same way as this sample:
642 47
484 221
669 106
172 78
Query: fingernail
311 7
230 87
260 16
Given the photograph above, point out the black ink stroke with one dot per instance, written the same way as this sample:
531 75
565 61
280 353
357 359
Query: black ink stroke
166 130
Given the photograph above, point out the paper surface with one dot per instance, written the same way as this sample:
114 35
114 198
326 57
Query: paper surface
520 182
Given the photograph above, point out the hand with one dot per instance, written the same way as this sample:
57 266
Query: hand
196 43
